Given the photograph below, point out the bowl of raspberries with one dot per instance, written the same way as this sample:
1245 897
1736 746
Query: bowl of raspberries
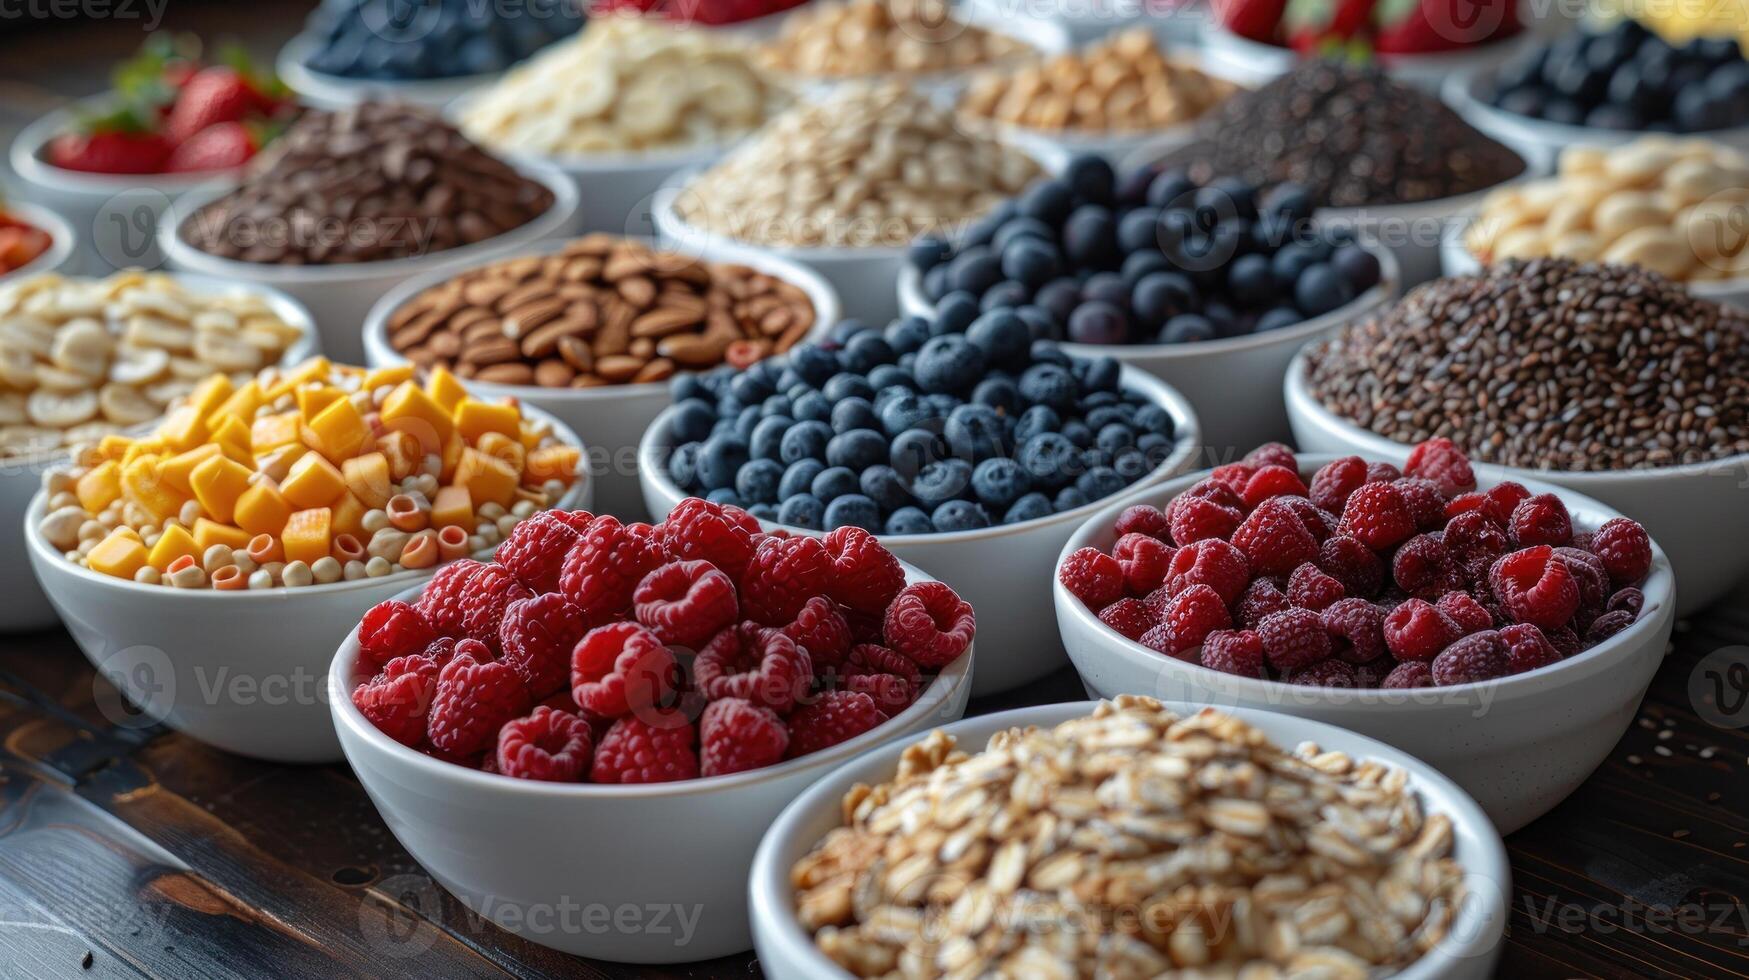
607 715
1504 631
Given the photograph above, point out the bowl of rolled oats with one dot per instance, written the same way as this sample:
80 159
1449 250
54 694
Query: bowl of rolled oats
1132 838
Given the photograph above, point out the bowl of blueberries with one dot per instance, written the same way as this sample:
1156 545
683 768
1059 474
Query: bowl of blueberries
1210 288
1605 87
972 445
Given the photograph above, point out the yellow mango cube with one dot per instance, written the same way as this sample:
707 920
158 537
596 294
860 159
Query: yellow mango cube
311 400
445 389
308 534
219 482
100 486
552 463
120 554
183 428
387 376
410 410
209 395
452 506
208 533
233 439
113 446
348 516
488 480
177 469
142 483
171 545
240 406
476 418
500 446
338 431
262 510
314 369
367 477
278 463
273 431
312 482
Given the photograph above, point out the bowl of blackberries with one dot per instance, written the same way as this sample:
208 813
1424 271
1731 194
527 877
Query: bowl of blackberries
971 445
1209 287
1605 87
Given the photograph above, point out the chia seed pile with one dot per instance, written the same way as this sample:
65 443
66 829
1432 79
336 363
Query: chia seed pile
1548 364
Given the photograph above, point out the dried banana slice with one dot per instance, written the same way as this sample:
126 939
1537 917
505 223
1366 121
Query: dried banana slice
61 410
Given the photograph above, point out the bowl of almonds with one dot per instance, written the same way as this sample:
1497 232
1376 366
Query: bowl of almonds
1128 838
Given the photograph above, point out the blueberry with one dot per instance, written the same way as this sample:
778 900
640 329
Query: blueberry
811 406
1098 322
758 480
1160 296
914 449
959 515
949 363
746 421
764 512
686 387
941 481
883 485
1028 508
928 252
1287 265
1138 231
1090 237
1358 266
1068 499
1291 202
1046 352
974 270
1250 280
1078 432
846 384
984 229
1091 178
1058 298
799 478
1153 418
1036 420
865 351
834 482
1047 200
1321 289
767 439
1168 188
1139 265
999 482
1001 394
813 364
974 432
1004 295
954 314
725 496
841 333
1031 261
1039 324
908 520
1277 318
750 389
1187 328
856 449
691 421
1100 482
934 283
1617 117
888 376
853 413
683 465
1114 436
1021 227
1107 287
720 458
805 440
1049 384
803 510
853 510
1001 335
902 412
1049 459
907 334
776 405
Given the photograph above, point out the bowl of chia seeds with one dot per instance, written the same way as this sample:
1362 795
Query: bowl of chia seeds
1608 380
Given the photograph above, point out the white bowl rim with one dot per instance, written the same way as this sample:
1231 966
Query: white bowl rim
1043 38
28 163
1659 590
37 543
1300 398
1187 436
769 884
585 164
1461 92
940 690
183 255
376 340
292 65
61 238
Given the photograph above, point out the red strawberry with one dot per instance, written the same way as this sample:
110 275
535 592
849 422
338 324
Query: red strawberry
110 152
213 95
217 147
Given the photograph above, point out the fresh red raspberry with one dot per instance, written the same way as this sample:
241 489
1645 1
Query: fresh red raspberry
1464 503
1274 539
546 745
1500 500
535 549
1564 640
736 735
1320 522
1416 630
1259 599
864 574
1589 573
1361 624
1159 640
1233 476
1309 588
578 519
1092 576
1408 674
603 568
754 662
1294 638
1441 461
1422 567
872 658
1535 587
537 636
622 668
891 692
1471 538
698 530
1213 563
1238 652
834 717
1192 615
398 698
930 624
473 700
1143 519
820 630
1272 481
1373 672
636 751
1329 672
391 629
1478 657
440 605
441 651
1541 519
1144 561
1426 504
1211 489
1626 551
1272 454
490 592
1353 564
1608 625
1463 610
1129 617
1630 599
1377 515
782 576
1335 480
685 603
1379 471
1200 519
864 627
1527 648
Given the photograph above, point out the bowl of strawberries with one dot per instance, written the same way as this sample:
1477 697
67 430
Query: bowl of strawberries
584 739
1505 632
33 239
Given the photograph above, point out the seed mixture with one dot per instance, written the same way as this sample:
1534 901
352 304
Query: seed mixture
1548 364
860 38
1130 843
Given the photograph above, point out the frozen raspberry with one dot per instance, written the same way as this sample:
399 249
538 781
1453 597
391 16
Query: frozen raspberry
821 631
440 605
1274 539
1144 561
1272 454
1216 491
1535 587
535 550
685 603
1328 672
1500 500
1238 652
1130 617
1192 615
1478 657
1272 481
782 576
1416 630
546 745
603 568
1233 476
1465 503
1293 638
1320 522
1378 516
754 662
473 700
1353 564
1426 504
1259 599
391 629
1472 538
865 575
1213 563
1630 599
1442 462
930 624
1625 549
1591 577
537 636
1564 640
1379 471
1463 610
636 751
1335 480
1608 625
1422 567
397 699
1541 519
1200 519
698 530
490 592
1143 519
834 717
622 668
1361 624
736 735
1309 588
1373 672
1159 640
1527 648
1410 673
1092 576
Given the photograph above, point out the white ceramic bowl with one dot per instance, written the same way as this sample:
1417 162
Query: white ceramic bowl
62 253
1261 63
1686 509
245 672
341 295
325 91
996 569
1470 951
26 608
639 874
612 417
1090 20
1518 744
1209 373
